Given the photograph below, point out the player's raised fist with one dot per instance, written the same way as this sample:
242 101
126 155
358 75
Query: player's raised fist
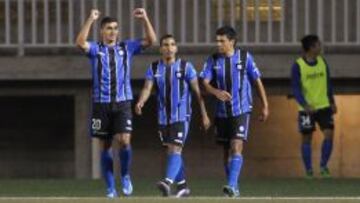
140 13
94 14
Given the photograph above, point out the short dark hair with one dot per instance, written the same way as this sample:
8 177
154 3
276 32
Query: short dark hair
309 41
107 20
228 31
166 36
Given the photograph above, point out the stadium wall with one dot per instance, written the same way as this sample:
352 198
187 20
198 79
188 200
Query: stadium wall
62 84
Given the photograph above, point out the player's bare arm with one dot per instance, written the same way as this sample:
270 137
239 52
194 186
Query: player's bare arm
144 96
264 101
81 39
196 90
219 94
150 36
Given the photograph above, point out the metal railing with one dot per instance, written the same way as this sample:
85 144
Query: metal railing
55 23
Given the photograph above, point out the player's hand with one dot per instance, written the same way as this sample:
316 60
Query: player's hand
308 109
206 122
140 13
94 14
264 114
334 108
138 108
223 95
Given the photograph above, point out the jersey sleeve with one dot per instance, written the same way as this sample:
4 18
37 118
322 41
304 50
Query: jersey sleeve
190 73
93 49
206 72
149 75
252 70
134 46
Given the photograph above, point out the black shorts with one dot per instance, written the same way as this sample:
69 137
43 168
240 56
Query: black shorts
175 133
232 128
110 119
324 118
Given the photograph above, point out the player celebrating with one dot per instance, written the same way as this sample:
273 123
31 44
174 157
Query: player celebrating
112 94
228 76
313 93
173 78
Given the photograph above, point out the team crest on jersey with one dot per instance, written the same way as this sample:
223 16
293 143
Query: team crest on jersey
121 52
178 74
239 66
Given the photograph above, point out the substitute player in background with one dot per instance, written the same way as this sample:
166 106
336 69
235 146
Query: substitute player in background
228 75
174 80
112 95
311 86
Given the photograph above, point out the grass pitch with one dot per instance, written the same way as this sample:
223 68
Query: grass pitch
203 191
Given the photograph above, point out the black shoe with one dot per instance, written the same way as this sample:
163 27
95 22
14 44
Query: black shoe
164 187
229 191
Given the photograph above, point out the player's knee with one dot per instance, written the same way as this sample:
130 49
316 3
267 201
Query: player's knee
123 139
306 138
236 151
236 147
105 144
172 148
328 134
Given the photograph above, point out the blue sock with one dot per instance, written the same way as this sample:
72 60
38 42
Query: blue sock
125 160
306 155
180 177
174 163
107 169
235 165
326 152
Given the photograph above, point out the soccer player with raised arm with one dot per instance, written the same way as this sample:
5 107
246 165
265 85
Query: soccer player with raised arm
112 94
174 79
312 89
228 75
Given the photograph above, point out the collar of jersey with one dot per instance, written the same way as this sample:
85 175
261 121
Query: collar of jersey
311 64
107 46
164 64
236 50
